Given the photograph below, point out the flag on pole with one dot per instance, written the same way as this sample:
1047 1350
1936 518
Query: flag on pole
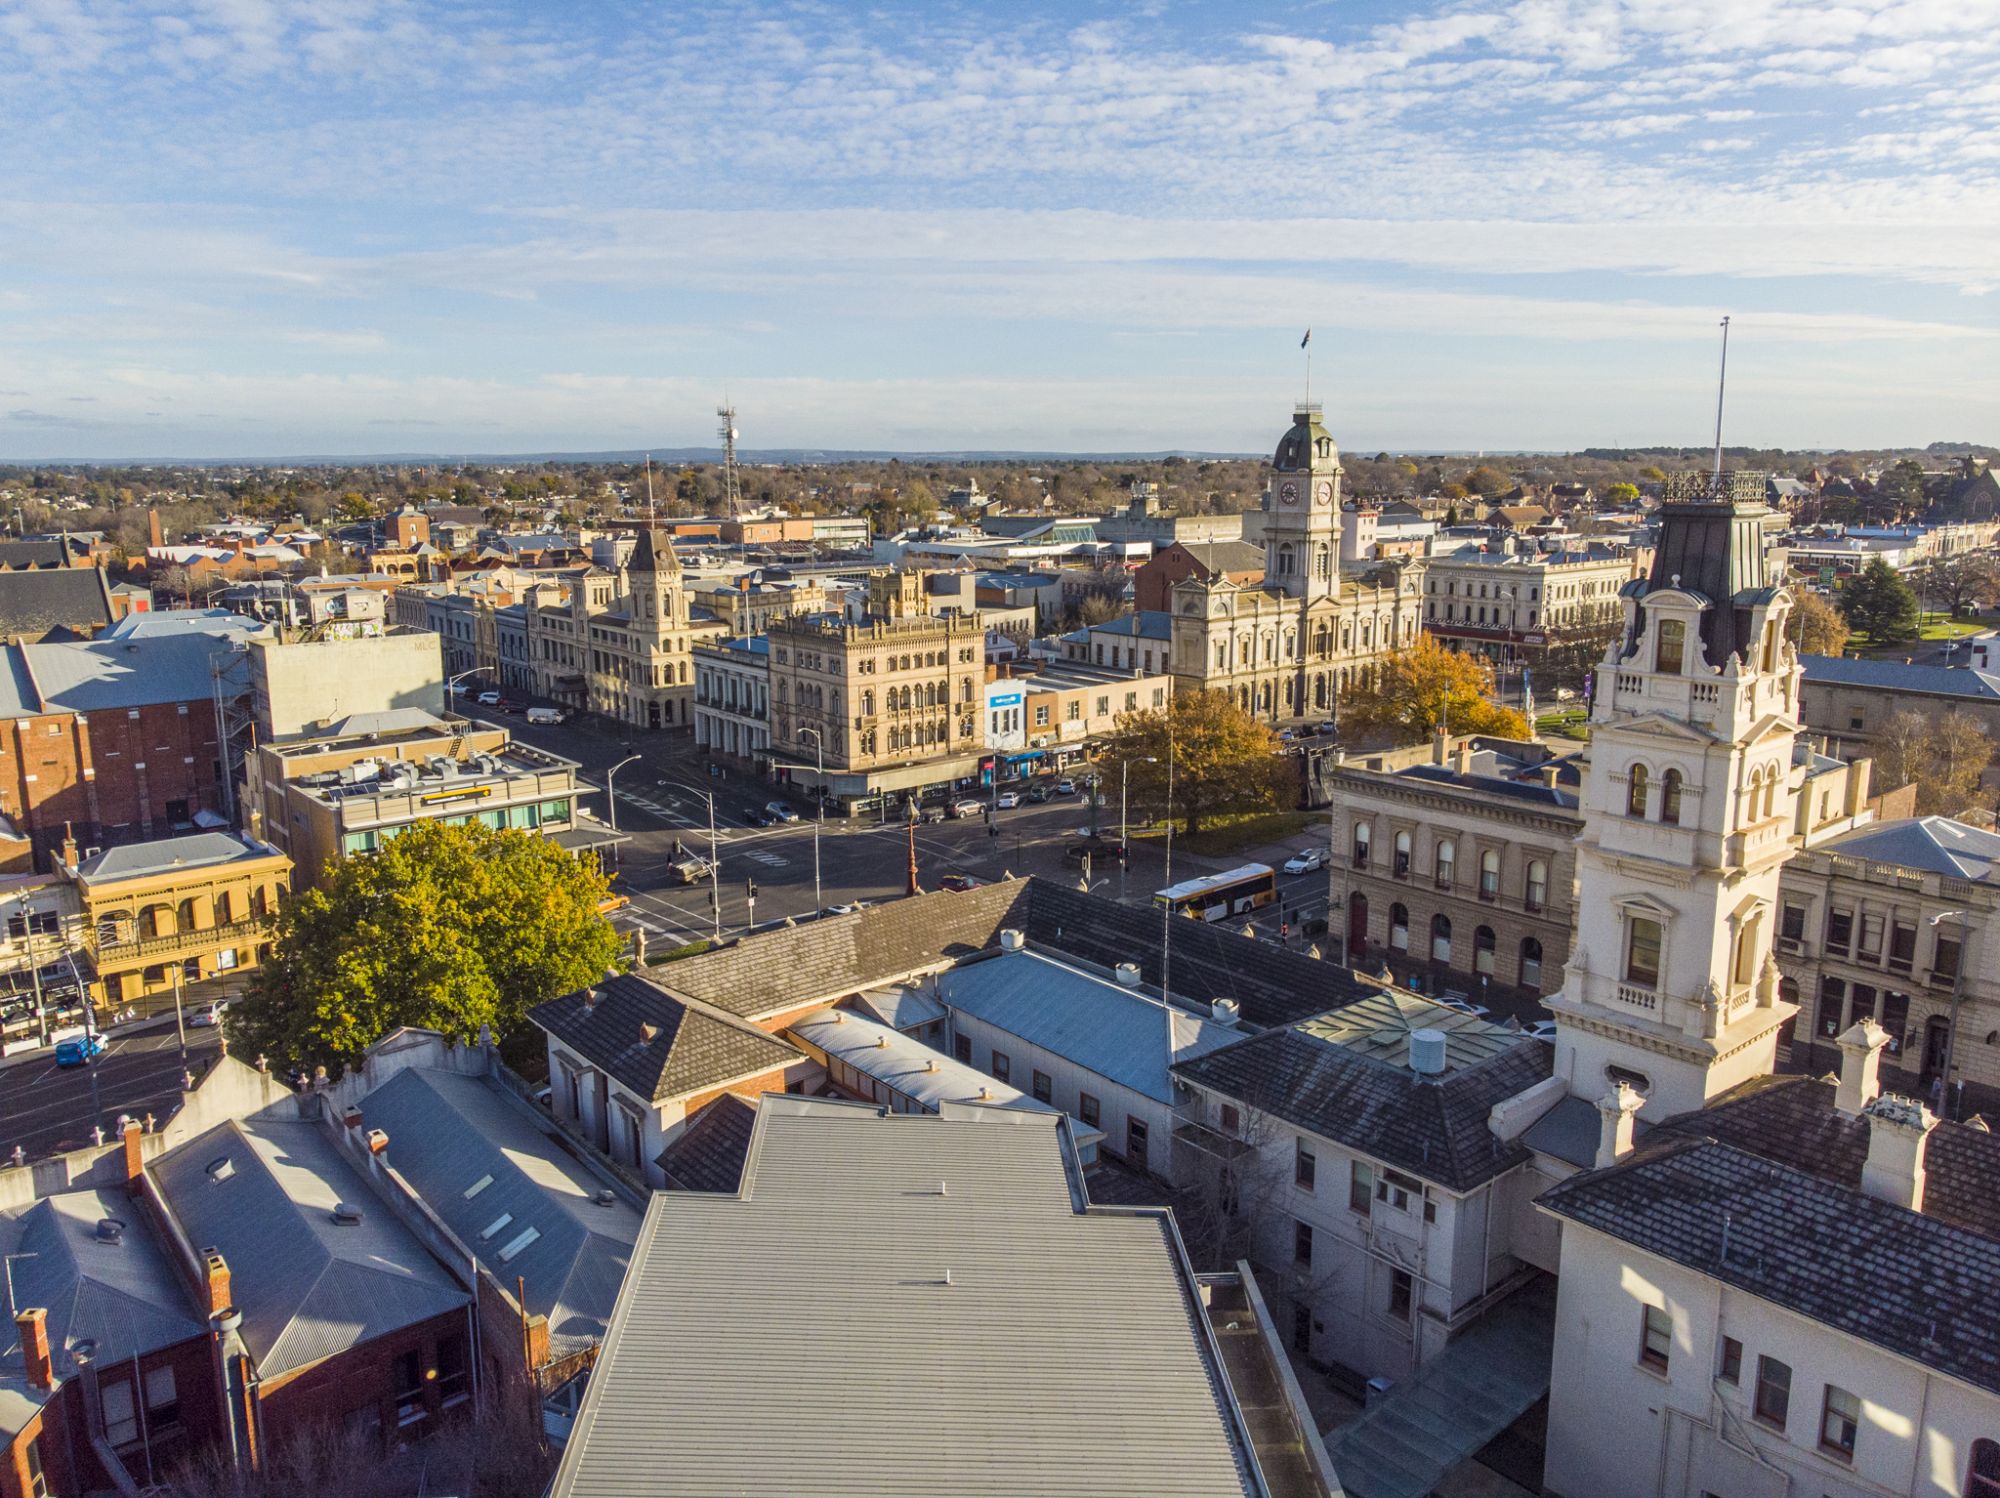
1307 339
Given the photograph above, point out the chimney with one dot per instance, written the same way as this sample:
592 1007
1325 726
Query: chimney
135 1161
1897 1130
1461 758
1616 1111
216 1269
35 1363
153 528
1440 746
378 1142
1860 1057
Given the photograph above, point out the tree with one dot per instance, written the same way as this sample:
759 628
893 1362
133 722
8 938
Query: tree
1964 584
1880 605
1487 480
1576 650
1816 627
1417 690
1622 494
1942 756
1224 761
1098 607
448 928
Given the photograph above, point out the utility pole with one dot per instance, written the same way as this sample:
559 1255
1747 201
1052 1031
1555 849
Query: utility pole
912 828
819 806
714 870
1167 906
34 969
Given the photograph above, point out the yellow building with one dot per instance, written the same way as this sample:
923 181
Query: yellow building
199 904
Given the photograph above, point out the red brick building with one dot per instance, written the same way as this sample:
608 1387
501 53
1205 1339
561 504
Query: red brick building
1239 561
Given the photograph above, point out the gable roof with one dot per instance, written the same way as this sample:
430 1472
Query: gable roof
1936 845
448 1133
1894 676
655 1043
34 602
262 1191
708 1154
1226 556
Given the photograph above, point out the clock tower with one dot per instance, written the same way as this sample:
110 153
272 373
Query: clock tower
1302 511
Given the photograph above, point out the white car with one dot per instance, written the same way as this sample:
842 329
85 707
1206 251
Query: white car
1007 801
781 810
1306 862
488 699
209 1015
1542 1029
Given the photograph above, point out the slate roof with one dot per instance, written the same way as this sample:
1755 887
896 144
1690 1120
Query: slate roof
1936 845
1144 624
262 1190
1226 556
47 552
1905 1281
1894 676
163 855
972 1301
656 1044
35 602
653 552
1116 1032
448 1133
1433 1129
708 1154
825 960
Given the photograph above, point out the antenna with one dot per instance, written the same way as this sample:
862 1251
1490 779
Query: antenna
731 494
649 491
1721 381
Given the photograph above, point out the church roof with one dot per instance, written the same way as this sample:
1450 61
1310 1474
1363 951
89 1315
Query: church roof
1296 447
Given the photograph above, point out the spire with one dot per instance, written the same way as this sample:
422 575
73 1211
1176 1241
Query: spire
654 553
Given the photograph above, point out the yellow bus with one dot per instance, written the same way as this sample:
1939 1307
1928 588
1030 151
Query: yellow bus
1216 897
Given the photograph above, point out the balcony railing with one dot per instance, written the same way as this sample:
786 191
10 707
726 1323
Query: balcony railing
1639 998
181 941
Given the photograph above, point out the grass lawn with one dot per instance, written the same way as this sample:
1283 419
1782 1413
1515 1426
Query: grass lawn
1570 723
1234 834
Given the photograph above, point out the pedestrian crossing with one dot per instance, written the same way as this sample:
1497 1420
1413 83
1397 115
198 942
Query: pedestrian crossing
769 860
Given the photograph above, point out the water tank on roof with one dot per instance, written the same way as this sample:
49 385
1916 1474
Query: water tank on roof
1427 1052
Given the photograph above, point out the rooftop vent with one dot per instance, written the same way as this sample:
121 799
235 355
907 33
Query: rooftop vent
648 1032
221 1168
347 1214
1012 940
1427 1052
986 1094
606 1197
930 1066
1225 1012
881 1042
1128 974
109 1230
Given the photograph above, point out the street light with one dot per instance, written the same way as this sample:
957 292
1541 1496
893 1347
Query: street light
1124 833
452 681
1957 994
819 804
611 796
1167 906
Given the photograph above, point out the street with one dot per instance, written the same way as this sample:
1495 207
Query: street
664 798
46 1109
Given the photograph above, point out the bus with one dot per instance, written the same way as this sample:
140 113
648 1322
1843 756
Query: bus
1216 897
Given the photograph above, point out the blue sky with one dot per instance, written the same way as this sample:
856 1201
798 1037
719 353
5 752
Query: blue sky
248 227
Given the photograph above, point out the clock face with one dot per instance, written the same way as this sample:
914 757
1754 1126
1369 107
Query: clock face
1288 493
1323 492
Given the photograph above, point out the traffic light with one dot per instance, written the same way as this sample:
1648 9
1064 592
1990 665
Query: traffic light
750 889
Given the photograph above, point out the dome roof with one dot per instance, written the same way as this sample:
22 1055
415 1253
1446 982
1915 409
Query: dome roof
1297 447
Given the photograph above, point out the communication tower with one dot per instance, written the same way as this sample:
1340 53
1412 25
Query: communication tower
732 494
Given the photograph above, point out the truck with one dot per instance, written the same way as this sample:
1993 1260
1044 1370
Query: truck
547 717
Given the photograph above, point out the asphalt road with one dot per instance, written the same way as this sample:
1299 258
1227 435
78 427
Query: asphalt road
45 1109
664 798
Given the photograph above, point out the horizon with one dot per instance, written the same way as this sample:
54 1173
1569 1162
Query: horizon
245 230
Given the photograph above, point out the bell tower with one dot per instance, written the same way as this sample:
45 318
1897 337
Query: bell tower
1688 815
1302 510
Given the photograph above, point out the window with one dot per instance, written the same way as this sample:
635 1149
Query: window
1401 865
1944 960
1730 1371
1392 1188
1839 1419
1302 1244
1538 885
1360 1188
453 1375
1440 939
1774 1392
1402 1294
1135 1142
1839 931
1635 792
1489 874
1361 834
1642 952
1304 1167
1531 963
38 1484
1670 797
1482 951
1044 1089
163 1402
1399 928
1792 924
409 1388
1086 1109
961 1049
1447 857
1673 645
1232 1119
1870 949
121 1416
1656 1338
1001 1065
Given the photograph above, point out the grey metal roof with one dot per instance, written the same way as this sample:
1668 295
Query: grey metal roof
900 1008
122 1297
657 1044
982 1313
261 1191
88 676
1148 624
1569 1131
1118 1033
1936 845
448 1133
154 623
195 850
390 720
1894 676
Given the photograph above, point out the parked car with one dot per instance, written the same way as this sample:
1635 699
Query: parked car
967 806
760 818
781 811
547 717
1316 926
1039 793
1542 1029
79 1052
1286 735
1306 862
1065 787
1463 1005
208 1016
613 903
1007 800
845 907
1326 725
959 883
488 699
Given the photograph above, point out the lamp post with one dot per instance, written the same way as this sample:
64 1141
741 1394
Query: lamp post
450 682
1957 995
1167 906
611 796
714 870
1124 831
819 804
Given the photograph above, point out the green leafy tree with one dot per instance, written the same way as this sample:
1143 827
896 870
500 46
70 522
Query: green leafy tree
1418 690
1880 605
1488 480
448 928
1622 494
1224 761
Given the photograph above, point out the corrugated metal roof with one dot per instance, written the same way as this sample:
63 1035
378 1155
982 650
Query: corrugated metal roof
1118 1033
964 1328
1935 845
262 1190
81 677
1895 676
195 850
449 1133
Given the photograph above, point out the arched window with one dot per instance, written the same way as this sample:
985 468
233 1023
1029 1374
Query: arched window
1670 798
1744 968
1482 951
1285 559
1771 793
1489 874
868 702
1635 792
1673 646
1402 863
1399 929
1362 833
1531 963
1982 1473
1440 939
1445 862
1538 884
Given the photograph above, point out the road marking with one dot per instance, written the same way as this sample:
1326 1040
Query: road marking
769 860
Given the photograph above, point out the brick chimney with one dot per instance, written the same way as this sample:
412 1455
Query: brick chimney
1898 1129
135 1160
153 528
216 1269
1616 1111
35 1362
1860 1064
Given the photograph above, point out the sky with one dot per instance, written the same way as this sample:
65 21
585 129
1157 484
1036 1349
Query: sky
243 228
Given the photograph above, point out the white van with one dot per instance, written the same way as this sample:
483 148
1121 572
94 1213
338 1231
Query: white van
548 717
